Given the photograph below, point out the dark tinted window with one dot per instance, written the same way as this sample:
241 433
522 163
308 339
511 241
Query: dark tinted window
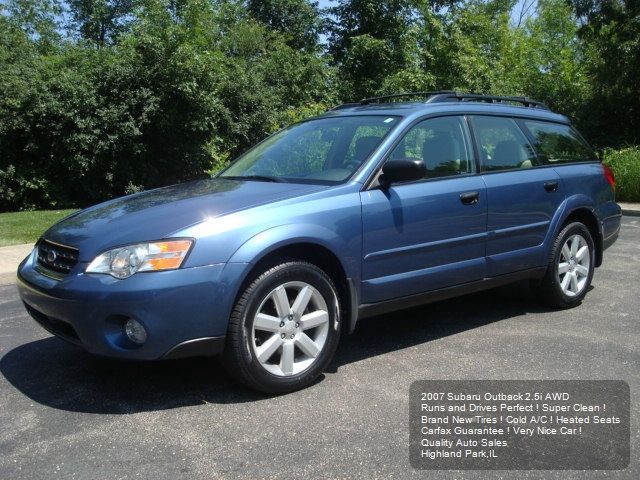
501 144
441 143
558 143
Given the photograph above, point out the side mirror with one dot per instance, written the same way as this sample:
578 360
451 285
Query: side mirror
404 170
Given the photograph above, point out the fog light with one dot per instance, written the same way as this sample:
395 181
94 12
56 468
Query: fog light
135 331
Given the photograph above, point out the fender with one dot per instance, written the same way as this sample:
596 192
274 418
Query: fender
265 242
262 244
566 208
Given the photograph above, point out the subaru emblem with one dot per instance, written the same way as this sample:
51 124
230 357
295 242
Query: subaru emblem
51 256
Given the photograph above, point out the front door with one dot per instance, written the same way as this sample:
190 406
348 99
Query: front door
429 234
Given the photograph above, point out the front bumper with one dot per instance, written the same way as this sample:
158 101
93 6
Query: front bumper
184 311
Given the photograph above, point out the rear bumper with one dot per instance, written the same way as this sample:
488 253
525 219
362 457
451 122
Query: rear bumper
611 222
185 311
610 240
610 216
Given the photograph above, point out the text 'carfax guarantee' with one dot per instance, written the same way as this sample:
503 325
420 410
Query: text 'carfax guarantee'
519 425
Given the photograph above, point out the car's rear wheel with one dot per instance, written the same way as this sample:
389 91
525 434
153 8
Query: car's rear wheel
570 269
284 329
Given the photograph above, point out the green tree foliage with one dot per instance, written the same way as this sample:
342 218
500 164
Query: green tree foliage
384 47
99 98
368 41
610 31
38 20
625 164
485 52
177 95
297 20
101 21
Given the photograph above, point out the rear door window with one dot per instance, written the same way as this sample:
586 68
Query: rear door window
501 144
558 143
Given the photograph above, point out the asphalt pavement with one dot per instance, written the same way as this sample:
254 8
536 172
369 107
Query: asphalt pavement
65 414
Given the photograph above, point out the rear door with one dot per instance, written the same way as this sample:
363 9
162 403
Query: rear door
522 198
429 234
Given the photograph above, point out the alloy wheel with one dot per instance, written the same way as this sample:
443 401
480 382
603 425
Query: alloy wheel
573 265
290 329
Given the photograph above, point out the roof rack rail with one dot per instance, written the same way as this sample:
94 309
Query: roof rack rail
475 97
366 101
345 105
438 96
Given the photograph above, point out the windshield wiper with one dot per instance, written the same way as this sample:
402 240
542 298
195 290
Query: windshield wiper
259 178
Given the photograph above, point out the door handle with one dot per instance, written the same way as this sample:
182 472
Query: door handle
551 186
469 198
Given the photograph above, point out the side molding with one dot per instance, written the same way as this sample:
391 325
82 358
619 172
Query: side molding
380 308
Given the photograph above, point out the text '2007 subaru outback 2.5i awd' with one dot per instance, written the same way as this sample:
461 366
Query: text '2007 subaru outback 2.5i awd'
371 207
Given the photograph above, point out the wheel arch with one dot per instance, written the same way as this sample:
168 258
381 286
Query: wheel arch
588 218
280 243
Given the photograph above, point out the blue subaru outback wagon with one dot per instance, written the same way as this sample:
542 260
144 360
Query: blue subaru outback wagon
371 207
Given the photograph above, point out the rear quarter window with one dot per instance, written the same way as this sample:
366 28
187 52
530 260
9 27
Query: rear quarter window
558 143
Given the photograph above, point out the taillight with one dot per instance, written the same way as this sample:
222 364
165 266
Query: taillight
608 174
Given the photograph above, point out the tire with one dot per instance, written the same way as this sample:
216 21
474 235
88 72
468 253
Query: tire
567 280
284 328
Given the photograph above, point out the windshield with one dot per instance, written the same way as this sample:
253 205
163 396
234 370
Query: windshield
324 150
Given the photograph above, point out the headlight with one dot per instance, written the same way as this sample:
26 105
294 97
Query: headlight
122 262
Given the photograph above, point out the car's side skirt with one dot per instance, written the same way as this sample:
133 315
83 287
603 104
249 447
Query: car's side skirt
380 308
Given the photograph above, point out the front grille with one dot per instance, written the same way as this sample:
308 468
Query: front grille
56 257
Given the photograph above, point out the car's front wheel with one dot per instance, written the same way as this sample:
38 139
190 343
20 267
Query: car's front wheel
570 267
284 329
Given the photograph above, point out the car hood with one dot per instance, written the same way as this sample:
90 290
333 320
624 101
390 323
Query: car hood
156 214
